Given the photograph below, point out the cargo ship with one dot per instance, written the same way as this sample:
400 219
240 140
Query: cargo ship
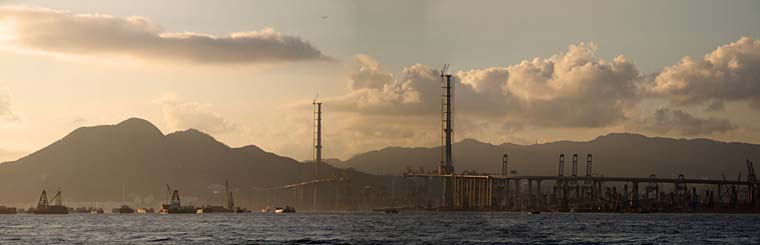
44 207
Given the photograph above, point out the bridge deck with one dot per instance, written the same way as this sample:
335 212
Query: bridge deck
586 178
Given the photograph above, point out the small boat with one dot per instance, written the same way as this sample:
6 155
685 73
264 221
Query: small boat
8 210
145 211
286 209
96 210
266 210
124 209
534 212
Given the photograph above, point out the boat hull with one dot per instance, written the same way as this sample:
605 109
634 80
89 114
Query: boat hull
51 210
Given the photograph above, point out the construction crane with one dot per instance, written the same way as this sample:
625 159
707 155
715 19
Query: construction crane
751 177
230 201
168 193
43 203
57 199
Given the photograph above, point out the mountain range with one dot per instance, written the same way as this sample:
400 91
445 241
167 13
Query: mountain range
615 154
93 164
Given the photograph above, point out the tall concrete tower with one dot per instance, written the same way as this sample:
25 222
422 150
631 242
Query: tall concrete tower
447 165
317 145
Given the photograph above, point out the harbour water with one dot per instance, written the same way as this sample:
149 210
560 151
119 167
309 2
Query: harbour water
362 228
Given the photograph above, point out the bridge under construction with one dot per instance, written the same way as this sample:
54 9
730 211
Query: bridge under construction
586 193
594 193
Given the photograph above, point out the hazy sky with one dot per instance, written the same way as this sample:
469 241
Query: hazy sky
246 71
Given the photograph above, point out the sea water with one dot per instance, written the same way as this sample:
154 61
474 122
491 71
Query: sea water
365 227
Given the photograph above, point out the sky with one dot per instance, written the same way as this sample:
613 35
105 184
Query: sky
246 72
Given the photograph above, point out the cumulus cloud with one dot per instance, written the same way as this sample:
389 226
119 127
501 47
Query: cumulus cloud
180 114
53 31
571 89
729 73
667 120
575 89
369 74
6 112
414 92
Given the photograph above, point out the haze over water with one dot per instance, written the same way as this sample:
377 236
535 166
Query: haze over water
362 228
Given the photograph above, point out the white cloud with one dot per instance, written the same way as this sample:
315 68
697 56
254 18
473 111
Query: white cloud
59 32
571 89
369 74
729 73
180 115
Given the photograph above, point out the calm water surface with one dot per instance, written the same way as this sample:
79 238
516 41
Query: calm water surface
362 228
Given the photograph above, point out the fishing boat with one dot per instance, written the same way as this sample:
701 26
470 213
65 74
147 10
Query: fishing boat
44 207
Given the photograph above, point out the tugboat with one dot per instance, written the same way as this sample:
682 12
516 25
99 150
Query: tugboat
44 207
286 209
8 210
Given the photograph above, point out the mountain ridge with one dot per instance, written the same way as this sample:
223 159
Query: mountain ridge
93 163
614 153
